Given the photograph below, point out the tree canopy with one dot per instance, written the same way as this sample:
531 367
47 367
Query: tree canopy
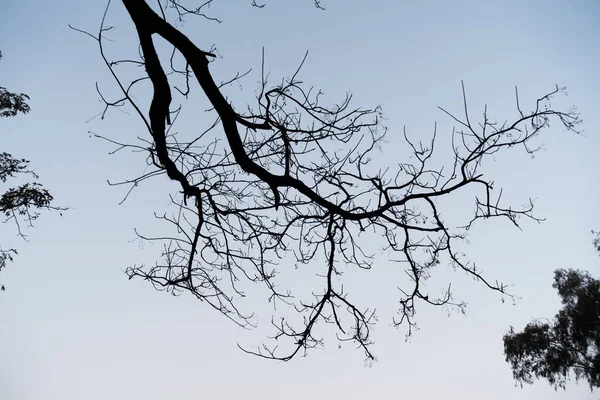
21 204
569 343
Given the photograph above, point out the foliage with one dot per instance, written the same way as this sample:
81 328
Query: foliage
570 343
292 181
12 103
19 204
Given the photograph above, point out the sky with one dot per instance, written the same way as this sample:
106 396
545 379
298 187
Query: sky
73 327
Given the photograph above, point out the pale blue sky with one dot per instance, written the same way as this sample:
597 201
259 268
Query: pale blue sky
73 327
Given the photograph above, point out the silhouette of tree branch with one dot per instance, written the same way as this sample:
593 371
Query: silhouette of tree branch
569 344
20 204
295 177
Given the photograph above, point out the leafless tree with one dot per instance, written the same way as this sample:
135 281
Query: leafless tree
292 180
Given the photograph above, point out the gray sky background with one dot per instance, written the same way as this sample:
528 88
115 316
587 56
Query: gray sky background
73 327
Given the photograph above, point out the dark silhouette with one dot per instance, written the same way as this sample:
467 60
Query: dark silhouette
291 180
570 343
19 205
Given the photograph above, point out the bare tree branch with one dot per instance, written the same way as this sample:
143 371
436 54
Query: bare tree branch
293 177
